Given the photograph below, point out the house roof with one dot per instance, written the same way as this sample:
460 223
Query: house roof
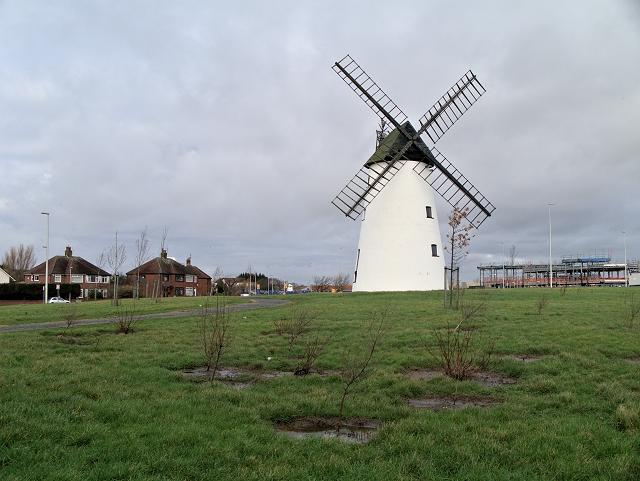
66 264
165 265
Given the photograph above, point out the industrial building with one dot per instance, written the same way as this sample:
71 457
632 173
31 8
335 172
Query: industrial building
570 271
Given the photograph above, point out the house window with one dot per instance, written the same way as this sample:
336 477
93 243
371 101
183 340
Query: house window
429 212
104 279
189 291
77 278
57 278
179 291
165 277
434 250
189 278
35 277
92 278
179 277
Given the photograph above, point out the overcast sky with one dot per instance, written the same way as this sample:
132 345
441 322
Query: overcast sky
224 123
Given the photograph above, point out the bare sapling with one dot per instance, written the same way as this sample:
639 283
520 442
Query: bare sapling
70 318
356 362
542 303
295 325
313 348
125 318
215 334
462 350
458 241
631 310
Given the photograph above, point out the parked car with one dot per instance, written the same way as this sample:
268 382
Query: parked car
58 300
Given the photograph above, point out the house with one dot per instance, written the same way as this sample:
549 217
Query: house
167 277
5 278
70 269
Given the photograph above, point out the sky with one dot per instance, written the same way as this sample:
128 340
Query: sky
223 123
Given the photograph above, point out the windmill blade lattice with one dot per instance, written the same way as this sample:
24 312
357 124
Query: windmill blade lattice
368 91
446 111
454 187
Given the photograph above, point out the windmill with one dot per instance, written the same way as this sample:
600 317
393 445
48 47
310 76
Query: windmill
400 246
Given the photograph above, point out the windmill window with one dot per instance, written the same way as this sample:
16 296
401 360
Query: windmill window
434 250
429 212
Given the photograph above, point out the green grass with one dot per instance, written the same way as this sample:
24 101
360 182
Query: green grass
41 313
95 405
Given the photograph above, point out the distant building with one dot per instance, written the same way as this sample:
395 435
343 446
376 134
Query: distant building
70 269
166 277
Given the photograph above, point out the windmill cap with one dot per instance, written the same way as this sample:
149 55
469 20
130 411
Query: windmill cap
395 141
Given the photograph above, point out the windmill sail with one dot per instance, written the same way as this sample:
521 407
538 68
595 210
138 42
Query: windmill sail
454 187
446 111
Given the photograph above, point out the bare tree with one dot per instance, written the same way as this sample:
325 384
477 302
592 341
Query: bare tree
116 258
100 261
215 334
157 285
141 256
18 260
355 363
457 242
322 284
341 281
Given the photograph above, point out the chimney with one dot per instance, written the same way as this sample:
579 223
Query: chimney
163 254
67 252
188 261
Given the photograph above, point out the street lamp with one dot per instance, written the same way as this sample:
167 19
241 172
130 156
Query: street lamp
626 282
46 263
284 281
550 263
503 270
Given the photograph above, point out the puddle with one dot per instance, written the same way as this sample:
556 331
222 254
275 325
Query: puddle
485 378
438 403
352 430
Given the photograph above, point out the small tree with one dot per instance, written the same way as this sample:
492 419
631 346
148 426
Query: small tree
116 258
18 260
321 284
341 281
140 257
100 262
458 240
356 363
215 334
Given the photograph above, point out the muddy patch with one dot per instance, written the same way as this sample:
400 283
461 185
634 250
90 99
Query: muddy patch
485 378
438 403
635 359
241 378
351 430
520 357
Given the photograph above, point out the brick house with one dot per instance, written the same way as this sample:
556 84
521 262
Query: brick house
170 278
70 269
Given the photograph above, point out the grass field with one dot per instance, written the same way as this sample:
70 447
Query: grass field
40 313
95 405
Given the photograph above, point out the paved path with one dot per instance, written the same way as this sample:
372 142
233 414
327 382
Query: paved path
254 304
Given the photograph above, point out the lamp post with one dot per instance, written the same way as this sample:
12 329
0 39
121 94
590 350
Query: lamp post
46 263
626 282
284 281
503 270
550 262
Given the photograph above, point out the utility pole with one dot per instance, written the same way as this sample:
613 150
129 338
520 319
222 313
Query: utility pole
550 262
46 263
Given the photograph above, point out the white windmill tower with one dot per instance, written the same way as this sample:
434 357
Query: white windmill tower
400 247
